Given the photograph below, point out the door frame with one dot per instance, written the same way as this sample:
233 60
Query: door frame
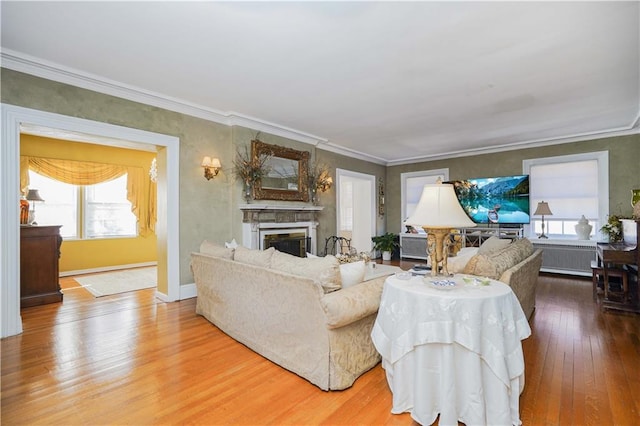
168 190
341 174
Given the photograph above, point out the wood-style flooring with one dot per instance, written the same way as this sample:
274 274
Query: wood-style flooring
132 359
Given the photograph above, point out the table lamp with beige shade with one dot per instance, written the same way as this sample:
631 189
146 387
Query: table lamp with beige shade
438 212
543 210
32 196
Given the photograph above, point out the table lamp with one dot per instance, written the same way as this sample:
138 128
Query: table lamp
33 195
438 212
542 210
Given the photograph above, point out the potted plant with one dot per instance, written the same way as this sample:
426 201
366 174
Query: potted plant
386 244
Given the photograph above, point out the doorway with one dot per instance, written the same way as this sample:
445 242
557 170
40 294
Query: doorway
356 208
167 147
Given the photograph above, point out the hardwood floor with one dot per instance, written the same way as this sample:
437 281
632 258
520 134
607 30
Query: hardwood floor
131 359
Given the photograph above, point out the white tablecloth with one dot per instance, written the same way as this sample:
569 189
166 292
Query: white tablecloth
456 351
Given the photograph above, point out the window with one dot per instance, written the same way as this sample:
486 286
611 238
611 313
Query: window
85 212
573 185
411 189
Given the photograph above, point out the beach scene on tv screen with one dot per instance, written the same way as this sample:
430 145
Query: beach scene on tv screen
495 200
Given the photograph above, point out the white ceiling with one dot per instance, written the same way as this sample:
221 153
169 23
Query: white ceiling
395 82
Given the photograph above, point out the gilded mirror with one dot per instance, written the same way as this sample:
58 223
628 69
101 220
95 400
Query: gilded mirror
286 173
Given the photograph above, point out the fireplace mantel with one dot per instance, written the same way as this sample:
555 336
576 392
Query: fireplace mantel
260 219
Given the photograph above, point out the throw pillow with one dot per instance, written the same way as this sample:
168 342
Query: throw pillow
232 244
323 270
352 273
216 250
254 257
494 263
456 264
493 243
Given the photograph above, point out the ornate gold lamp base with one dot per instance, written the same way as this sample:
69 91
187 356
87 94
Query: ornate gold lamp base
437 249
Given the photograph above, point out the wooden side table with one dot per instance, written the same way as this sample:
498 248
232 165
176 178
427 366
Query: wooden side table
39 270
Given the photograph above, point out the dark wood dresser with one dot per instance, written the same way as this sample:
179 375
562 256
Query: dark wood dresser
39 254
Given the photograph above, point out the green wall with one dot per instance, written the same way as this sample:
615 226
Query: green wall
624 166
208 209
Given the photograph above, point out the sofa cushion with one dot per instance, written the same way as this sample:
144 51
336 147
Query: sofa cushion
493 243
494 263
457 263
325 271
254 257
213 249
352 273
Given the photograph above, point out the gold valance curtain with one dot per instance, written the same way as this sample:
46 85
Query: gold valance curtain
141 192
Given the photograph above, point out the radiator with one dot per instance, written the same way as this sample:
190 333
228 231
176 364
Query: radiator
567 259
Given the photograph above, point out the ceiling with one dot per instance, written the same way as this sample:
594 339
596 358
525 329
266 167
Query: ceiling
390 82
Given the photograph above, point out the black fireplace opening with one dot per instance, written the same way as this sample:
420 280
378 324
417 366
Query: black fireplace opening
296 244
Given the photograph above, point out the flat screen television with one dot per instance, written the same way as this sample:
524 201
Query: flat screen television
500 200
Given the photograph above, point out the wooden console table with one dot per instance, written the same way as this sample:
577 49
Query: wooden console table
620 254
39 270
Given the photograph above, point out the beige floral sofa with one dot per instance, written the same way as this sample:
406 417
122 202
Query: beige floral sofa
297 312
515 263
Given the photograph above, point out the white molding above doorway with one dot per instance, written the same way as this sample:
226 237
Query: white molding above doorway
12 119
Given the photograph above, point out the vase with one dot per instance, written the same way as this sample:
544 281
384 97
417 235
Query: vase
247 192
583 229
629 231
24 211
314 197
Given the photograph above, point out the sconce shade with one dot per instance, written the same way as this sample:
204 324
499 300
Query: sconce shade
543 209
211 167
34 195
439 208
211 162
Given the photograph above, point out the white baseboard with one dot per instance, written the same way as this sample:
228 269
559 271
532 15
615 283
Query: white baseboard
187 291
107 268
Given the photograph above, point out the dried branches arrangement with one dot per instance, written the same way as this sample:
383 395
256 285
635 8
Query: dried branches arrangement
249 169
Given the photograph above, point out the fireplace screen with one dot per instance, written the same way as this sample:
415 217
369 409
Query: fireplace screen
295 244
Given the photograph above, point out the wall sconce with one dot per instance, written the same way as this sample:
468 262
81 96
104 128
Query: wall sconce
211 167
324 181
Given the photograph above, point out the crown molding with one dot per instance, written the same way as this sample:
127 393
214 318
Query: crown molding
55 72
580 137
40 68
331 147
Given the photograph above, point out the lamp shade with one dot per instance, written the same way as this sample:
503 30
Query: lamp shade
543 209
34 195
211 162
439 208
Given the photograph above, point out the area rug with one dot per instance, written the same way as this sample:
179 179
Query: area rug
108 283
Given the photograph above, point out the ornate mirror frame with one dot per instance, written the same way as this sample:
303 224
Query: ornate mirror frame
259 148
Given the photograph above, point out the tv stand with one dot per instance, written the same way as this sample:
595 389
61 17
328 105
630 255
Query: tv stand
414 246
474 237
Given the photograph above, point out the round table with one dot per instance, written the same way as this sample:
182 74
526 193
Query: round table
452 346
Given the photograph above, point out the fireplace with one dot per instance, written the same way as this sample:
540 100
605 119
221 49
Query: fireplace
291 229
297 244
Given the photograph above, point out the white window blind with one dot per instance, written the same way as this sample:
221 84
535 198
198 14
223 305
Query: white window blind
570 188
573 186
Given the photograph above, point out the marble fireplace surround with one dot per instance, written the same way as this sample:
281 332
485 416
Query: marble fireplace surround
259 220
